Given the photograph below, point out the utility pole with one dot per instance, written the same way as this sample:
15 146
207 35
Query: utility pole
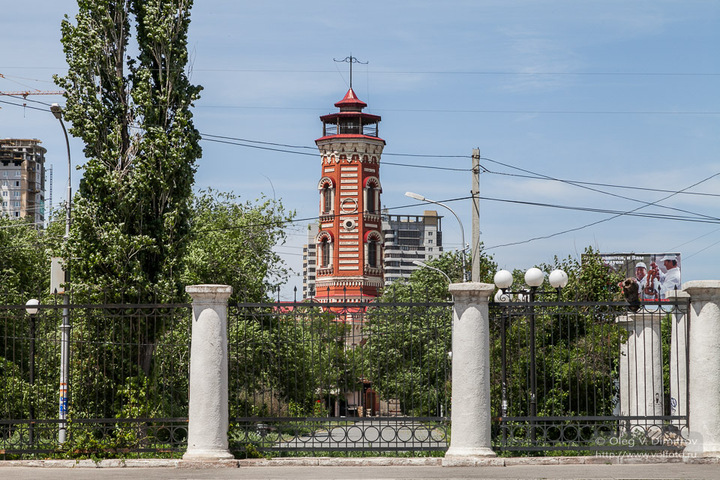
475 192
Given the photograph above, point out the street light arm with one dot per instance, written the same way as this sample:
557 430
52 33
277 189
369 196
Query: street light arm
419 197
57 112
425 265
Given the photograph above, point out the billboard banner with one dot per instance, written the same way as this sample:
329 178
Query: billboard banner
655 273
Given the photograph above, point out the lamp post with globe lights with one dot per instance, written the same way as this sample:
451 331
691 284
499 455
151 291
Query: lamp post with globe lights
534 278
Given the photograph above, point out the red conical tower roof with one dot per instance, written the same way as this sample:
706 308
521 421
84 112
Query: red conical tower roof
350 102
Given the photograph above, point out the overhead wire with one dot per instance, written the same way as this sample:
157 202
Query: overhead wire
627 213
609 185
587 185
23 105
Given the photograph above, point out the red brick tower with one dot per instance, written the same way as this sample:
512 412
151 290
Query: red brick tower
349 244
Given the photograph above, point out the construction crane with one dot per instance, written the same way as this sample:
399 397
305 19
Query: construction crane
25 93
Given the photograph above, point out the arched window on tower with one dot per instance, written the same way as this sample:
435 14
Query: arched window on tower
372 195
326 199
373 249
324 253
324 250
370 206
327 195
372 253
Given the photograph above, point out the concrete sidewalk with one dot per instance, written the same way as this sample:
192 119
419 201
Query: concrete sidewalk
369 468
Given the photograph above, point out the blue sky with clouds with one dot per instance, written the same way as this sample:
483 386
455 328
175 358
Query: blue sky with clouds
617 93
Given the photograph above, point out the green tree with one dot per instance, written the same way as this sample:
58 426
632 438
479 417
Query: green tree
231 244
427 284
129 100
407 353
589 279
130 218
281 363
24 264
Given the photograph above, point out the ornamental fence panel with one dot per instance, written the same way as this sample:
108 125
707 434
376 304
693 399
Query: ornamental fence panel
324 377
589 377
127 388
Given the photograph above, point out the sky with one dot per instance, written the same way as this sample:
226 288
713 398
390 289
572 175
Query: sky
598 122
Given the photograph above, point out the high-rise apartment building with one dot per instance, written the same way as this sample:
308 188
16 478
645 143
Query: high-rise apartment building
310 261
22 179
408 238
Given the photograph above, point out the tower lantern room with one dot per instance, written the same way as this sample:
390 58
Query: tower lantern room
349 242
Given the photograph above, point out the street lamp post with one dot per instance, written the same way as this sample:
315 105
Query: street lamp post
534 278
32 309
421 198
65 327
425 265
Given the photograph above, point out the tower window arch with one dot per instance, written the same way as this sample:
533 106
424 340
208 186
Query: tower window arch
324 249
371 192
373 249
327 195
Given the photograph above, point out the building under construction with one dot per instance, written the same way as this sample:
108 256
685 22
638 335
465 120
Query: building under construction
22 179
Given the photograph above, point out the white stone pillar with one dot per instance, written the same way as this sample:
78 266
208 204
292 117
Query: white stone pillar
470 410
641 373
208 409
704 368
678 355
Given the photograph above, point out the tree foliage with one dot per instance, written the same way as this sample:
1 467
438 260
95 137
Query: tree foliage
408 348
431 285
232 244
24 264
282 363
133 114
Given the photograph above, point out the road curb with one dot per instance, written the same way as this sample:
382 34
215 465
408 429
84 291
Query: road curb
638 459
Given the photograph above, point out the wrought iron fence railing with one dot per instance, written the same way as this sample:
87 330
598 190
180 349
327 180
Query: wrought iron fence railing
589 376
128 379
326 377
339 376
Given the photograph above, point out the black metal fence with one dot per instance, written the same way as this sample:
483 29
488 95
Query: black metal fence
340 376
588 377
128 379
371 377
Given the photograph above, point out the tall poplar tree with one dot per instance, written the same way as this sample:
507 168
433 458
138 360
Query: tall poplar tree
129 100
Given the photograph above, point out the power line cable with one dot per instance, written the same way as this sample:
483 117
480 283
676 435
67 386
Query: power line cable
676 248
610 185
24 99
596 190
543 237
23 106
702 250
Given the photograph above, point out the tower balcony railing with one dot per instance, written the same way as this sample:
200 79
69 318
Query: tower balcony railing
368 130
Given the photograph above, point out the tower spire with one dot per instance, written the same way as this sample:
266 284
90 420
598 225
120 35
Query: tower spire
350 60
